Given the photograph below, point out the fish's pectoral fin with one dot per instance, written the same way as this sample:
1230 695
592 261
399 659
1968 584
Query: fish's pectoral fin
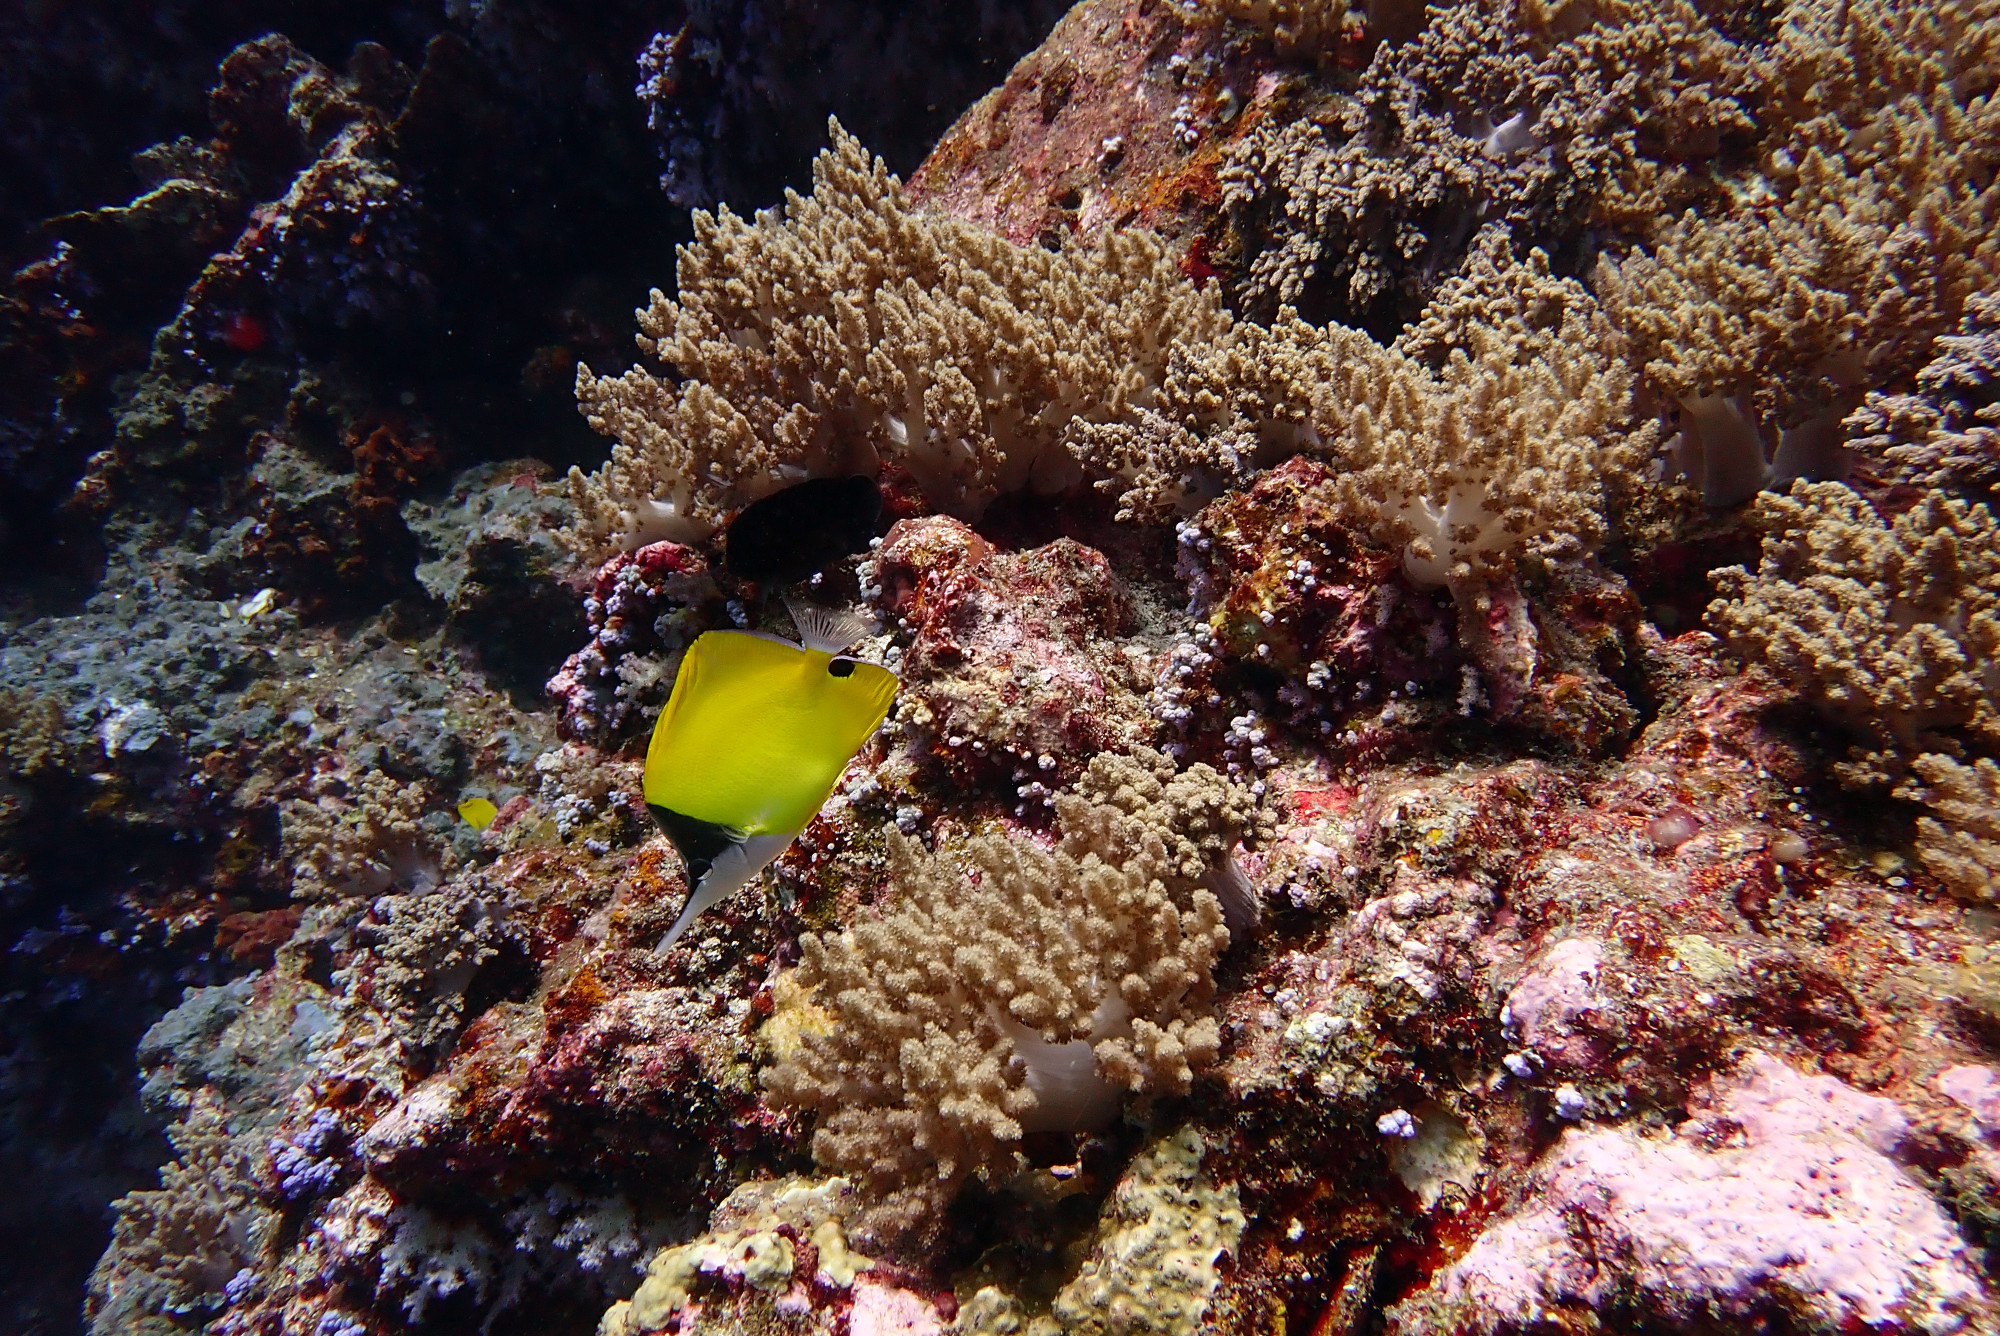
730 870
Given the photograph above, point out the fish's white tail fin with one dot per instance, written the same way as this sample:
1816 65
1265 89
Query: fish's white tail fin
734 868
827 630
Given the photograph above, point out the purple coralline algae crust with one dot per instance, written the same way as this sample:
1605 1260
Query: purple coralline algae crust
1781 1194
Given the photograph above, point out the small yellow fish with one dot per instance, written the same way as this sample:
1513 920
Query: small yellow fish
477 813
752 741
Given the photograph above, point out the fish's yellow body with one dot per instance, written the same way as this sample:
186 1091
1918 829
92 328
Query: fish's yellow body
753 739
757 731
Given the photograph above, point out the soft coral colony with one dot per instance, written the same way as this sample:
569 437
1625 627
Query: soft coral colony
1312 876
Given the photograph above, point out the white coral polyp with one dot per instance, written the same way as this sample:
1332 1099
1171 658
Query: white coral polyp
1448 540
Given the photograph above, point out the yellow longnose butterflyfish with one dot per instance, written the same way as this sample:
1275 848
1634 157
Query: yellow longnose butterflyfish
753 739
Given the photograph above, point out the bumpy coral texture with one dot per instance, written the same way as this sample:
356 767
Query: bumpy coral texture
1498 457
751 1253
1159 1243
1888 628
851 329
424 949
1870 219
926 1022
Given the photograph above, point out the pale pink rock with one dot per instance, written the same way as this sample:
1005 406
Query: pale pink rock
1799 1207
1977 1089
1562 986
885 1310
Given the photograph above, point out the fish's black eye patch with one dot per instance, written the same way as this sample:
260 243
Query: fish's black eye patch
841 667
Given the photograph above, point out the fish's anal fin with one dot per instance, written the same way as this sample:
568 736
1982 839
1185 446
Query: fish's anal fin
827 630
731 869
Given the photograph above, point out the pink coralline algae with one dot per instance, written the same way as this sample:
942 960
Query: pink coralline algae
1781 1197
1013 667
1562 987
1977 1090
884 1310
639 610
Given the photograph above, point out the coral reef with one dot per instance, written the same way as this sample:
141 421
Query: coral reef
1381 827
1013 658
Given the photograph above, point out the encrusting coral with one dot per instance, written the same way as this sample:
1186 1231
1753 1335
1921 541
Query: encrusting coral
852 329
1012 988
1159 1242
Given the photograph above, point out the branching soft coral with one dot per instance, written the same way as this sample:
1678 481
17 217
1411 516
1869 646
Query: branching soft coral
1889 629
1543 118
1498 457
1874 215
1010 988
174 1248
360 835
848 329
1963 849
1946 436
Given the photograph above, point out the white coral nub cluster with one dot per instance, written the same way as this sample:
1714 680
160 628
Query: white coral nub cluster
1453 537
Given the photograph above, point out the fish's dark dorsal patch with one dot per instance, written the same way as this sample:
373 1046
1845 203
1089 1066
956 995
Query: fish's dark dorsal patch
700 842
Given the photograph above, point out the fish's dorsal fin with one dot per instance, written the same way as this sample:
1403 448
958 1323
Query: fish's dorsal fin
826 630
